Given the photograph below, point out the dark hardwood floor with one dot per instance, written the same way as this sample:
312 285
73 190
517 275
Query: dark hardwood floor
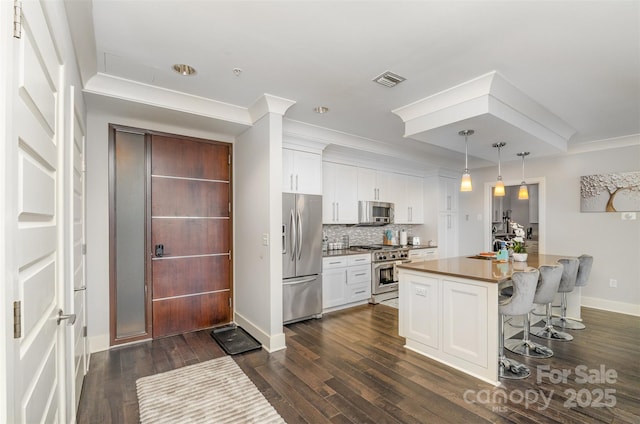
351 367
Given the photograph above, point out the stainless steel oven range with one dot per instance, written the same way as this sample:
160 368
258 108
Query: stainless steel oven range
384 274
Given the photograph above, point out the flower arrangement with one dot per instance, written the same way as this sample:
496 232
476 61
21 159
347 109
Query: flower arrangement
517 243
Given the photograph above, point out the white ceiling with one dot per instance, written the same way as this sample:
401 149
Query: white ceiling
579 61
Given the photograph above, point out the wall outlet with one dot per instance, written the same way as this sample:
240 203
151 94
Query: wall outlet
613 282
265 239
628 216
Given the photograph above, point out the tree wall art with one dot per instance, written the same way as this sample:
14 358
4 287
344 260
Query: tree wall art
617 192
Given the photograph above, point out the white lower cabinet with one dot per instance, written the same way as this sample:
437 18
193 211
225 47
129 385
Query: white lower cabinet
346 280
334 282
426 254
452 320
420 310
464 316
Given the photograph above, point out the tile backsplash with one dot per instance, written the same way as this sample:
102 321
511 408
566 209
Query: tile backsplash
363 235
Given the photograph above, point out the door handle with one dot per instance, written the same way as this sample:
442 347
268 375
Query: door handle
159 250
83 288
292 235
70 317
299 242
284 239
293 283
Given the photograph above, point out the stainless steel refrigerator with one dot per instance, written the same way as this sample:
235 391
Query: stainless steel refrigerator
301 256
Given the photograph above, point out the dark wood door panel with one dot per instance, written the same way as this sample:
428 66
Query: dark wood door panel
174 197
186 237
184 314
192 159
177 277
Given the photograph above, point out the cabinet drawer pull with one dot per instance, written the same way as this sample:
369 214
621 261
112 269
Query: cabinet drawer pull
359 292
359 274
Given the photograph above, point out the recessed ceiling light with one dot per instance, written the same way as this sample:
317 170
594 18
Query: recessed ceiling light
321 109
184 69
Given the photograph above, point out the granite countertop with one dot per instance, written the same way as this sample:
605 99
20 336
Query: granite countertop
488 270
341 252
345 252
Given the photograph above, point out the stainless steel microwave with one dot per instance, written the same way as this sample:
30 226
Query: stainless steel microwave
375 213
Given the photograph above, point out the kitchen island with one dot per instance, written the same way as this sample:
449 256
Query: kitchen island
448 309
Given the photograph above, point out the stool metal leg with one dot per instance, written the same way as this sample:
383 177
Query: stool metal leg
525 346
548 332
509 368
563 322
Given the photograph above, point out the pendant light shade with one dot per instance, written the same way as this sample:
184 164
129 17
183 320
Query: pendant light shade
465 183
499 189
523 193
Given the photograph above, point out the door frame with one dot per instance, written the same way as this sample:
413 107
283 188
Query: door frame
542 221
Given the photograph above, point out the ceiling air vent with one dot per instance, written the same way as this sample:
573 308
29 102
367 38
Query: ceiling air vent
389 79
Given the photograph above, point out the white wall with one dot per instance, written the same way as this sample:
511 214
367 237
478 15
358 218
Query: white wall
98 211
614 243
258 213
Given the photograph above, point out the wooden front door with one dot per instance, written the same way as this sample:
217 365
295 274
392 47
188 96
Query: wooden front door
190 234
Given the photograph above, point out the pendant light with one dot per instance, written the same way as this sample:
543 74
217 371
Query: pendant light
498 191
465 183
523 193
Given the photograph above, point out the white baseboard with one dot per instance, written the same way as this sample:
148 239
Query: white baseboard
98 343
612 306
269 343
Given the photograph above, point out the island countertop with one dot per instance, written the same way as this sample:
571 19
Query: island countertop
488 270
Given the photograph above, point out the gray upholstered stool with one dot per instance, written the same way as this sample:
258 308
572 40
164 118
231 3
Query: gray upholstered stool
521 303
567 283
545 292
552 275
585 263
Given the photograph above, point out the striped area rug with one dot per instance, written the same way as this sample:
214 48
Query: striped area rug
216 391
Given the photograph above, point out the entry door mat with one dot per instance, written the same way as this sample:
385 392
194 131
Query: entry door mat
235 340
216 391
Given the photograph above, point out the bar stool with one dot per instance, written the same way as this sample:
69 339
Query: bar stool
546 290
552 274
521 303
585 262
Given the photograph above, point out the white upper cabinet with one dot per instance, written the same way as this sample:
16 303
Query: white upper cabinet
448 194
415 199
404 191
408 199
340 194
375 185
301 172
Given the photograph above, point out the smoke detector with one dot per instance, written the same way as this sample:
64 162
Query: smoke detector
389 79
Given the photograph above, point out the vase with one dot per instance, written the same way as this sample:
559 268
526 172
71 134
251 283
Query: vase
520 257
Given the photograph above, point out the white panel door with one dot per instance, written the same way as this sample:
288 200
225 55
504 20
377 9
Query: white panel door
33 245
